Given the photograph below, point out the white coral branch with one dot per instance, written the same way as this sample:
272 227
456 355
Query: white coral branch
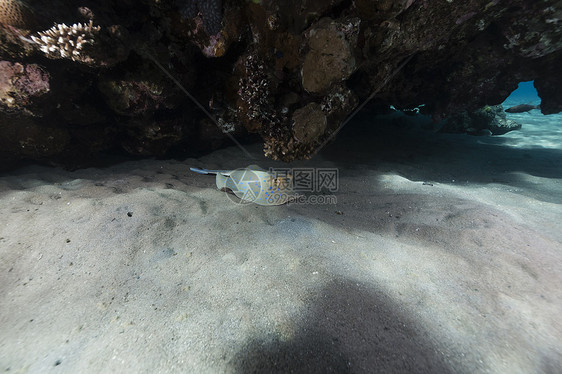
62 41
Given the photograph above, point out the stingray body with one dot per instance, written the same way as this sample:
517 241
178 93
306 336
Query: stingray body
253 184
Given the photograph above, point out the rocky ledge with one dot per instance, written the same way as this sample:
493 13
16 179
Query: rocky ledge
77 79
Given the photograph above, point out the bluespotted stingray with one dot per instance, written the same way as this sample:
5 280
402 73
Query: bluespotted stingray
254 185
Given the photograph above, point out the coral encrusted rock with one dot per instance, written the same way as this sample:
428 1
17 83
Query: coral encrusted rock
309 123
20 84
287 72
330 59
211 12
489 120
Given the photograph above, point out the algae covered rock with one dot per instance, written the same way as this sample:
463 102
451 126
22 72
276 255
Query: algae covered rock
330 59
20 84
309 123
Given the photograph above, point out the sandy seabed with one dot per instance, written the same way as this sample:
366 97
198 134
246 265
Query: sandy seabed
442 254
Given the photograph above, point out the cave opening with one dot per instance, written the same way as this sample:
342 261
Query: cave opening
526 93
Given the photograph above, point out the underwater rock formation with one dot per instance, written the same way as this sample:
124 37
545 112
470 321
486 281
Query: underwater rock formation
20 85
134 96
288 71
330 59
25 137
211 12
152 138
309 123
490 120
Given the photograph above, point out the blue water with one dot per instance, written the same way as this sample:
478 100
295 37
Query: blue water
524 94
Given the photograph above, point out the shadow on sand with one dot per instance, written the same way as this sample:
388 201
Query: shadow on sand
348 328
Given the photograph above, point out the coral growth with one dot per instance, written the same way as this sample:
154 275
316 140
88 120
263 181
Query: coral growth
133 97
254 92
20 84
287 149
210 10
338 103
309 123
290 71
330 59
211 46
15 13
62 41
